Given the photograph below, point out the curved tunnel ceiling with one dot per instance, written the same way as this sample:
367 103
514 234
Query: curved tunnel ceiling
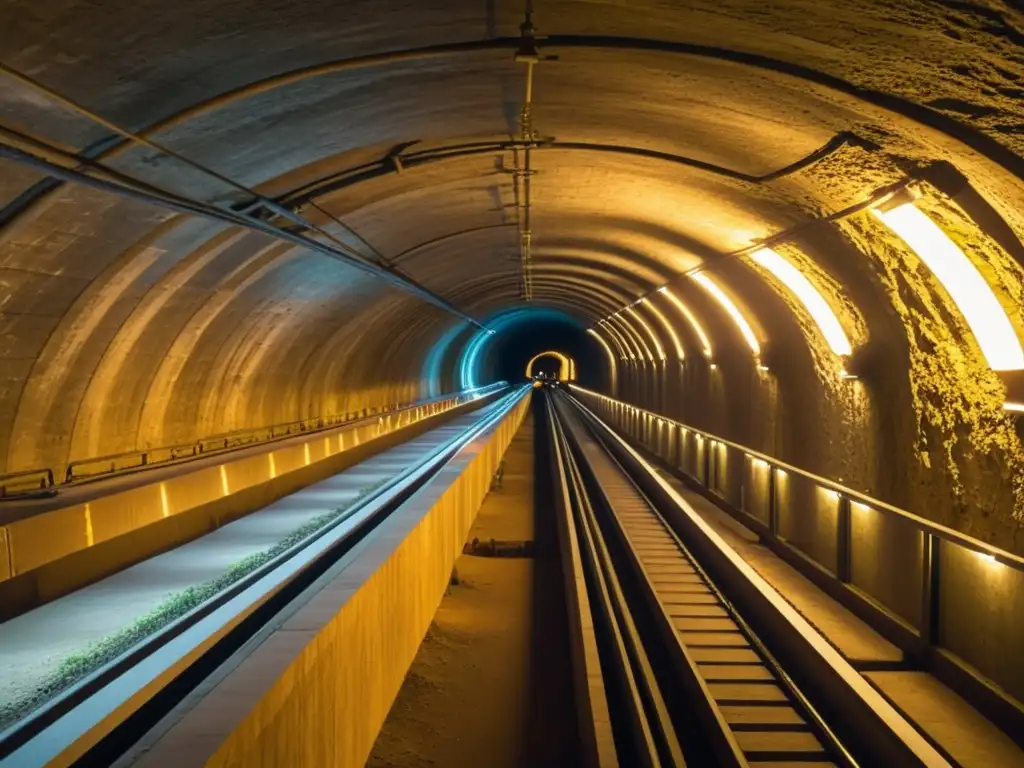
377 159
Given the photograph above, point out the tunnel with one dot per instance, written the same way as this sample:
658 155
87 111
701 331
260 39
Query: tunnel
207 231
797 227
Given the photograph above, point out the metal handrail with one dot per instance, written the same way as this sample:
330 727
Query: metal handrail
201 447
364 513
1001 555
43 480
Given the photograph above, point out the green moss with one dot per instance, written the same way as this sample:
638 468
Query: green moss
77 666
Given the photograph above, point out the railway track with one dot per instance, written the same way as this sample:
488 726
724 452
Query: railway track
701 664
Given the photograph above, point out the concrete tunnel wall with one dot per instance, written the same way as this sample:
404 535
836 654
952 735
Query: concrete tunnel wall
125 325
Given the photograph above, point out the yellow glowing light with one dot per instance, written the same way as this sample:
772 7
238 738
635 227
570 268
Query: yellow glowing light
1015 407
691 319
224 480
833 495
677 345
650 332
164 506
611 336
273 466
741 322
89 538
986 557
607 349
808 295
643 351
964 283
568 365
616 335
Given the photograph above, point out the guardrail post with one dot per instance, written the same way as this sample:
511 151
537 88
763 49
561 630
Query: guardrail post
843 541
706 446
773 502
929 627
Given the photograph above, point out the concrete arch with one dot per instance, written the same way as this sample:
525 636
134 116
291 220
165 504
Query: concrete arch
567 363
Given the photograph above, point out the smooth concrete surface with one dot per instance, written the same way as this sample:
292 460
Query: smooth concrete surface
491 683
972 740
58 551
316 691
852 637
968 737
985 631
34 644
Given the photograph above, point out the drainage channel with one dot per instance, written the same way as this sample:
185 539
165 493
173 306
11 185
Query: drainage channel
491 684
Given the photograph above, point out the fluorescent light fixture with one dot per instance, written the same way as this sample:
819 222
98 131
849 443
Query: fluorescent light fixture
650 331
632 334
964 283
813 302
677 345
608 351
741 322
691 319
1015 407
625 343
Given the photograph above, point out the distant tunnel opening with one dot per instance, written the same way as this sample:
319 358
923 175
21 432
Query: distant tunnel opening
553 364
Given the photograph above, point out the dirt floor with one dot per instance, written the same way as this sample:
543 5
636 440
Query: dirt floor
491 684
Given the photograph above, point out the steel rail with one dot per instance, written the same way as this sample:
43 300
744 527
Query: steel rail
936 529
725 745
857 712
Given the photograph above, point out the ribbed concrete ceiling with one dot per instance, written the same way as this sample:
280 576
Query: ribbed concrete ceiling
126 325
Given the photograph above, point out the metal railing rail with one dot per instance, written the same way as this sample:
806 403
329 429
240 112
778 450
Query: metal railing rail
921 625
221 614
41 480
930 527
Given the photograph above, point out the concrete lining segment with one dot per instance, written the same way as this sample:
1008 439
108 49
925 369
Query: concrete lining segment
317 690
57 551
32 646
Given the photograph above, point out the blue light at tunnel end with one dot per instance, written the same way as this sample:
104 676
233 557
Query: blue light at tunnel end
472 354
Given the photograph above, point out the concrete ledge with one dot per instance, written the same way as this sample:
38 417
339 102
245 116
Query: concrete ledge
57 552
317 690
593 718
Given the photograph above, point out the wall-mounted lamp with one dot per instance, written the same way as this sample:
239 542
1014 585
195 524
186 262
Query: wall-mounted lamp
641 351
677 345
961 279
809 296
691 319
660 350
741 322
625 348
